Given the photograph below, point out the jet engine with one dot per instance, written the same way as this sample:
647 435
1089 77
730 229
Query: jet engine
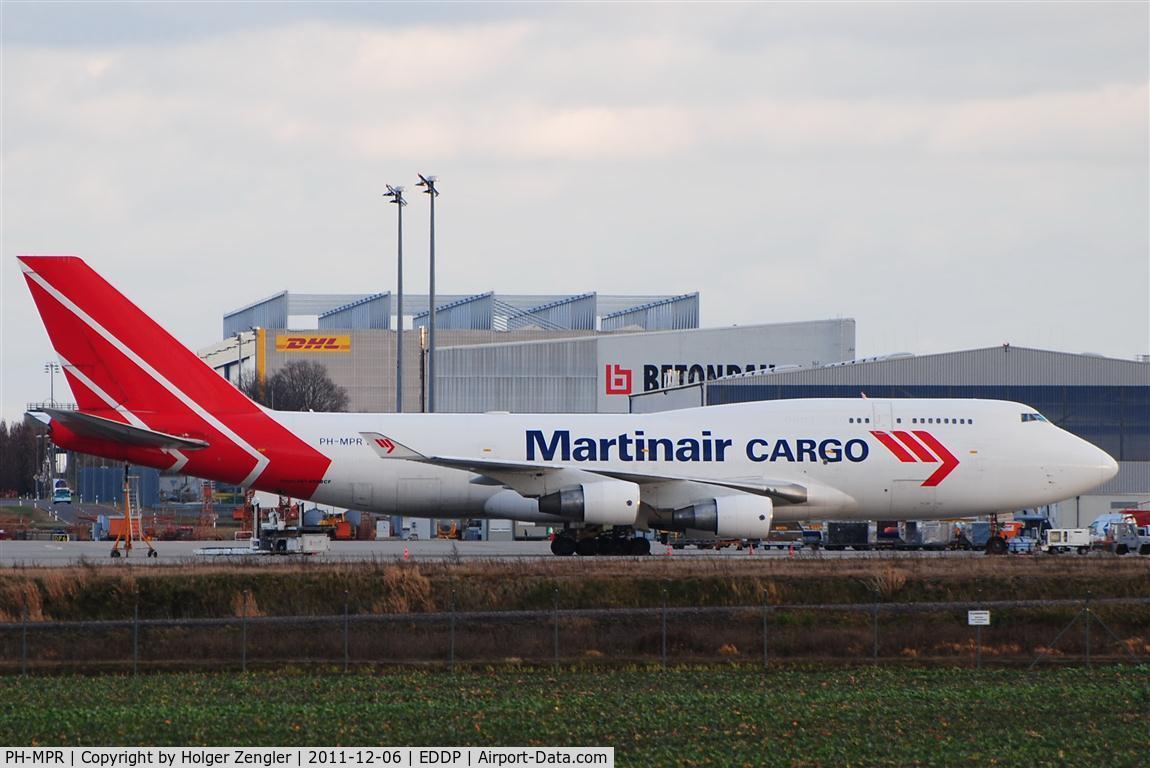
737 517
609 502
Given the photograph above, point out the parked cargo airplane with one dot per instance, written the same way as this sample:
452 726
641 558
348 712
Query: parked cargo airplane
727 470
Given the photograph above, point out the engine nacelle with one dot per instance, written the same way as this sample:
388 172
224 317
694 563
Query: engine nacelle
736 517
610 502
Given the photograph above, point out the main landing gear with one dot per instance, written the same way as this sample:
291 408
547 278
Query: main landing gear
612 543
996 544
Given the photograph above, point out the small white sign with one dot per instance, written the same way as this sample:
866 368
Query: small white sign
978 618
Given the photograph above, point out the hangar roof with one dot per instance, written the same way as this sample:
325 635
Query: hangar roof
1003 365
483 311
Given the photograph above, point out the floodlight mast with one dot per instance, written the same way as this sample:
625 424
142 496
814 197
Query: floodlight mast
51 369
396 195
428 183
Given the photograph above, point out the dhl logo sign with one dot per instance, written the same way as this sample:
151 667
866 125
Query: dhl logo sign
298 343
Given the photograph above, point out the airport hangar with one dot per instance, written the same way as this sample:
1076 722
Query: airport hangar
591 353
585 353
1103 400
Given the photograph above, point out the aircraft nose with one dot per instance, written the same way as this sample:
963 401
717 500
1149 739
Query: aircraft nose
1108 466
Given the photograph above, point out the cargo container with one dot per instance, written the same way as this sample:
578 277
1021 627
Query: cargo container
842 534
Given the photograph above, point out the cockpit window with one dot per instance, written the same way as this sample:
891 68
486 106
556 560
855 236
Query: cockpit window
1033 417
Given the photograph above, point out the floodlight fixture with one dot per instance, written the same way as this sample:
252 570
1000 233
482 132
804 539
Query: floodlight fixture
51 369
396 195
428 182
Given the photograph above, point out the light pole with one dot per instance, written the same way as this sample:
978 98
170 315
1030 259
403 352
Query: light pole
51 369
396 195
256 388
428 183
240 361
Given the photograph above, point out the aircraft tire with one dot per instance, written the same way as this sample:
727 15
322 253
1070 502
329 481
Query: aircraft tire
556 546
153 553
1121 549
587 547
1083 550
639 547
611 546
1144 549
996 545
115 553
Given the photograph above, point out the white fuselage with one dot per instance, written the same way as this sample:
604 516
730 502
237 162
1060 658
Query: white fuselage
838 450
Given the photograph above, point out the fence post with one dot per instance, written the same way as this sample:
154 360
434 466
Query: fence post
244 633
453 630
136 635
345 631
1086 610
978 637
664 655
874 611
24 638
555 613
766 613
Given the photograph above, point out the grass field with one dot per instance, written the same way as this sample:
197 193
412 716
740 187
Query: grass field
722 716
109 590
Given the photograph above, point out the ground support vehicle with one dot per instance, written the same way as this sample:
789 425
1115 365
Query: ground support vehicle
1061 540
1123 538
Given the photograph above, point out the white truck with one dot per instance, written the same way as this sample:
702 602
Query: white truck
1058 540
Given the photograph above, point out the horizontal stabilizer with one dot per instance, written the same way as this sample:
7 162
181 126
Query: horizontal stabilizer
99 428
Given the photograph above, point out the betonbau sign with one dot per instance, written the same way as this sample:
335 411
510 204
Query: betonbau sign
648 363
659 375
619 380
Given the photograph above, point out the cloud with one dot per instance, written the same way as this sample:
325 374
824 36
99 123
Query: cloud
788 161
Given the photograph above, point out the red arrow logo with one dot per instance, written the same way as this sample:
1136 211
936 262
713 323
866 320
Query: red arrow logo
949 460
385 443
909 450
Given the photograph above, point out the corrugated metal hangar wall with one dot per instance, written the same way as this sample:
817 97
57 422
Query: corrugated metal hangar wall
532 371
597 374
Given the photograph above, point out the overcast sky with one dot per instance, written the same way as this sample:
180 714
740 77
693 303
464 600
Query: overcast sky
950 175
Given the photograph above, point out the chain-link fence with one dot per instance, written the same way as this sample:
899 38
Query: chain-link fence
1023 632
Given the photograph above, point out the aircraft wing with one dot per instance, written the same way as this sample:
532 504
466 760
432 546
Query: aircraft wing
97 427
536 478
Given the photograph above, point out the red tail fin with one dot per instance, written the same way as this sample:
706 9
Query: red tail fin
123 366
107 342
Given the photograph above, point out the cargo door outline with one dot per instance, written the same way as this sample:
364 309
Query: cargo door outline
881 415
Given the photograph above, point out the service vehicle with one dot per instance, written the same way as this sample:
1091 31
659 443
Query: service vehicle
1061 540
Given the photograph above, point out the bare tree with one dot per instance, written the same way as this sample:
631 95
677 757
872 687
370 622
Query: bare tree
19 460
299 386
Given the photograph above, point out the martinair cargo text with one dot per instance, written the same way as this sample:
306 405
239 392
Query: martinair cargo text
729 471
